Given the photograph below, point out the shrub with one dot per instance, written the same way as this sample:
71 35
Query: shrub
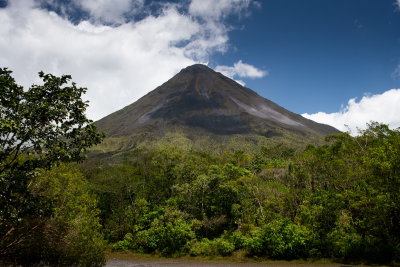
236 238
216 247
223 247
126 243
167 237
255 246
201 248
281 239
342 242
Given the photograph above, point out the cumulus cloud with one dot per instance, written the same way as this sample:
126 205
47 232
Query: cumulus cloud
241 70
118 63
383 108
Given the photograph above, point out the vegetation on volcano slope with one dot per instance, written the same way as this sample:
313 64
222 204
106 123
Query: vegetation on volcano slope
203 110
337 201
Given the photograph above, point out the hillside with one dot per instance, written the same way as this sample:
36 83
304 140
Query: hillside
200 108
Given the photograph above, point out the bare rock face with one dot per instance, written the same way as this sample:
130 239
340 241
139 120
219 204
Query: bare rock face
200 101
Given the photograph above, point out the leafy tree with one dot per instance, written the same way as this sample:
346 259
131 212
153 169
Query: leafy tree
39 128
348 194
281 239
168 233
72 234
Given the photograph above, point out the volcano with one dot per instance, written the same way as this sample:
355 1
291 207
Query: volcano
201 104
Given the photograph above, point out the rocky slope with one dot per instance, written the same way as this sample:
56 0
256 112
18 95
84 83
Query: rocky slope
201 107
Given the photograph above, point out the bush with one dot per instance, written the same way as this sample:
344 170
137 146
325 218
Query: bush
201 248
236 238
255 246
280 239
223 247
126 243
216 247
342 242
166 237
348 245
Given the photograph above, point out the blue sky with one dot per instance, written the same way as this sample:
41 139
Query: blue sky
336 62
323 52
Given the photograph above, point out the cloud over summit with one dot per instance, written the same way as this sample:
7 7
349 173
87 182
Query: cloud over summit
241 70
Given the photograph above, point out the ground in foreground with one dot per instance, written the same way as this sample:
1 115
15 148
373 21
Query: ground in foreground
128 259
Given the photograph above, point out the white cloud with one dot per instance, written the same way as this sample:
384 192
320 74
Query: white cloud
110 11
241 82
118 64
215 10
396 72
241 70
382 108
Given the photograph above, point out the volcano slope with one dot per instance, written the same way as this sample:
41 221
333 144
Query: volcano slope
202 109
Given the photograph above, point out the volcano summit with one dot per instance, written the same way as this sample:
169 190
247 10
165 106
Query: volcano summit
201 107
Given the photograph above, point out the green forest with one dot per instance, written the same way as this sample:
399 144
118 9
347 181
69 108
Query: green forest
338 201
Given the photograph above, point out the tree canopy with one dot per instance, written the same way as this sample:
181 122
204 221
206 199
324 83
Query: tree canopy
338 201
39 128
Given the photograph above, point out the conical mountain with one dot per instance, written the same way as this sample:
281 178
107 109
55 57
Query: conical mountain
201 104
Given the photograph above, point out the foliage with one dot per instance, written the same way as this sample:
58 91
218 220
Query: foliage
168 234
339 200
125 244
352 202
285 240
74 224
167 237
39 128
215 247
